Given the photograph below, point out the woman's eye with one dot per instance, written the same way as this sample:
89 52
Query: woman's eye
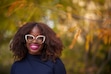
40 38
29 37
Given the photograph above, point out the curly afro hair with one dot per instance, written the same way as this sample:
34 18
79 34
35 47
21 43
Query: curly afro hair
52 46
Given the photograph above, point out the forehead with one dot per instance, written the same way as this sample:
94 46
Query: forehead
35 31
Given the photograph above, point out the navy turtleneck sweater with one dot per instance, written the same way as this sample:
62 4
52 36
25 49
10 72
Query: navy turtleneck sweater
34 65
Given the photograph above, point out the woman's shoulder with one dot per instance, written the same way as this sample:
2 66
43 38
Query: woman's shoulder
58 62
18 63
14 66
59 67
19 66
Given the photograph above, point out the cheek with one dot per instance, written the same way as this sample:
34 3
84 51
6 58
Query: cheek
41 46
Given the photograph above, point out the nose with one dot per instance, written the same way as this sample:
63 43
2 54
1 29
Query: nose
34 41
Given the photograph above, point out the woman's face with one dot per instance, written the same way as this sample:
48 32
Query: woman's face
34 41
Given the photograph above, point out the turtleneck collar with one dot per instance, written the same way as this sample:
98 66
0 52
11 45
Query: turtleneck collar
33 57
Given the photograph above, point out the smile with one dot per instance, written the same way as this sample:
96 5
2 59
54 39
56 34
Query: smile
34 46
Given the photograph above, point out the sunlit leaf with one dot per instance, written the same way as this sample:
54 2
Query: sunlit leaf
15 6
75 39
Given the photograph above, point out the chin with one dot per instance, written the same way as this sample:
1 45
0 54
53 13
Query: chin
34 52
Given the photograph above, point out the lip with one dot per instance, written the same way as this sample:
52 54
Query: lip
34 46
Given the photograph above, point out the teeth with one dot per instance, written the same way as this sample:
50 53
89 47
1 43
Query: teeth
34 46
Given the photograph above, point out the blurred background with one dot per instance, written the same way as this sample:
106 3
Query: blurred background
83 25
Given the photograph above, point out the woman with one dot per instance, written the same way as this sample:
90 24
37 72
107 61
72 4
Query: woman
36 49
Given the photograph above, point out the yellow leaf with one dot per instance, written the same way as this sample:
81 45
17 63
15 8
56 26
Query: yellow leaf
109 40
87 43
105 39
75 38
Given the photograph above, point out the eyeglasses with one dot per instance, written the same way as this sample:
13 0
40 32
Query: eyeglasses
40 38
